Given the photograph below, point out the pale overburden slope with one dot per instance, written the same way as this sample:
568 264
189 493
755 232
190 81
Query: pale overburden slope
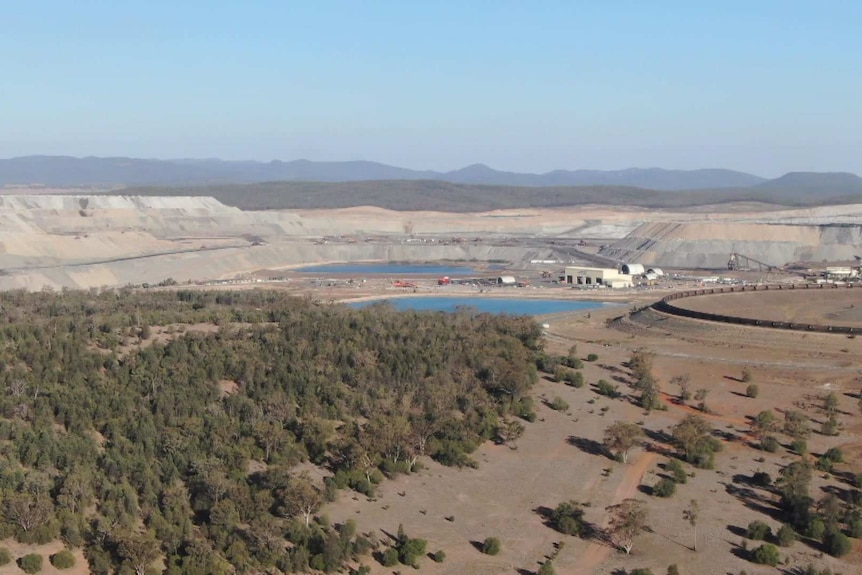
99 240
709 244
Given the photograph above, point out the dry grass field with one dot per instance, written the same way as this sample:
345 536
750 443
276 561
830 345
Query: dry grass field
556 459
814 306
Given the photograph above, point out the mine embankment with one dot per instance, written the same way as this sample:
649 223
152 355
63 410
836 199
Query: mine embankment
99 240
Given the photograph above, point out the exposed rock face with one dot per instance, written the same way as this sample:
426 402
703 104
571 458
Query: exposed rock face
709 244
85 241
93 241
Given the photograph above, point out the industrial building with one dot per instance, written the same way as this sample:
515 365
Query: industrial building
633 269
607 277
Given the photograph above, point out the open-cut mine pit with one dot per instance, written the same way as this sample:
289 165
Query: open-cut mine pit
76 241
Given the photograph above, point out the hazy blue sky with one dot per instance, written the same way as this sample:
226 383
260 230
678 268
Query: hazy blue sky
766 86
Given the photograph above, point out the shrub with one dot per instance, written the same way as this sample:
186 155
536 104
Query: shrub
604 387
758 531
592 357
392 468
673 570
854 527
567 518
829 426
575 379
770 444
63 559
547 568
835 454
491 546
664 488
816 529
559 404
799 446
31 563
752 390
411 550
390 557
640 571
560 373
824 464
574 363
786 535
547 363
524 409
766 554
439 557
837 544
761 479
676 470
5 556
746 375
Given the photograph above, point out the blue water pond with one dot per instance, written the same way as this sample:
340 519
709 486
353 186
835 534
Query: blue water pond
512 306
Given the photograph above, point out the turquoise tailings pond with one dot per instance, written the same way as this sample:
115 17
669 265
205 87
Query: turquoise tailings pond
512 306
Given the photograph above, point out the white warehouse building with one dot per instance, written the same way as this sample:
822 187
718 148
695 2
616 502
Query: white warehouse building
608 277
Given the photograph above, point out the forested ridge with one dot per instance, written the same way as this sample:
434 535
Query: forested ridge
158 447
413 195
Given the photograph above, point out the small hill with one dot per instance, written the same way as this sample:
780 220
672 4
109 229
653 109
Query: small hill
822 184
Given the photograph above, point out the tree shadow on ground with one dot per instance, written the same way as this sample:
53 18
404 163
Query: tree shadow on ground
658 435
543 512
844 495
620 379
592 532
845 477
649 529
590 446
730 436
611 368
743 554
796 570
755 501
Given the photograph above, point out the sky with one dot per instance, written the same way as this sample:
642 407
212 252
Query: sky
765 86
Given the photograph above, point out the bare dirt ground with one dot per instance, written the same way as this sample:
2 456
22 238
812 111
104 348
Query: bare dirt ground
812 306
556 461
18 550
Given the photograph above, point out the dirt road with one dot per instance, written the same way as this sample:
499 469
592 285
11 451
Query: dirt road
597 553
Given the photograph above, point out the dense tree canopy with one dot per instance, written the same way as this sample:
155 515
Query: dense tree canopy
147 425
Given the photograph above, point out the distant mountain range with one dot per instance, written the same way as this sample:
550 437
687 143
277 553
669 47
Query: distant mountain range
92 171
